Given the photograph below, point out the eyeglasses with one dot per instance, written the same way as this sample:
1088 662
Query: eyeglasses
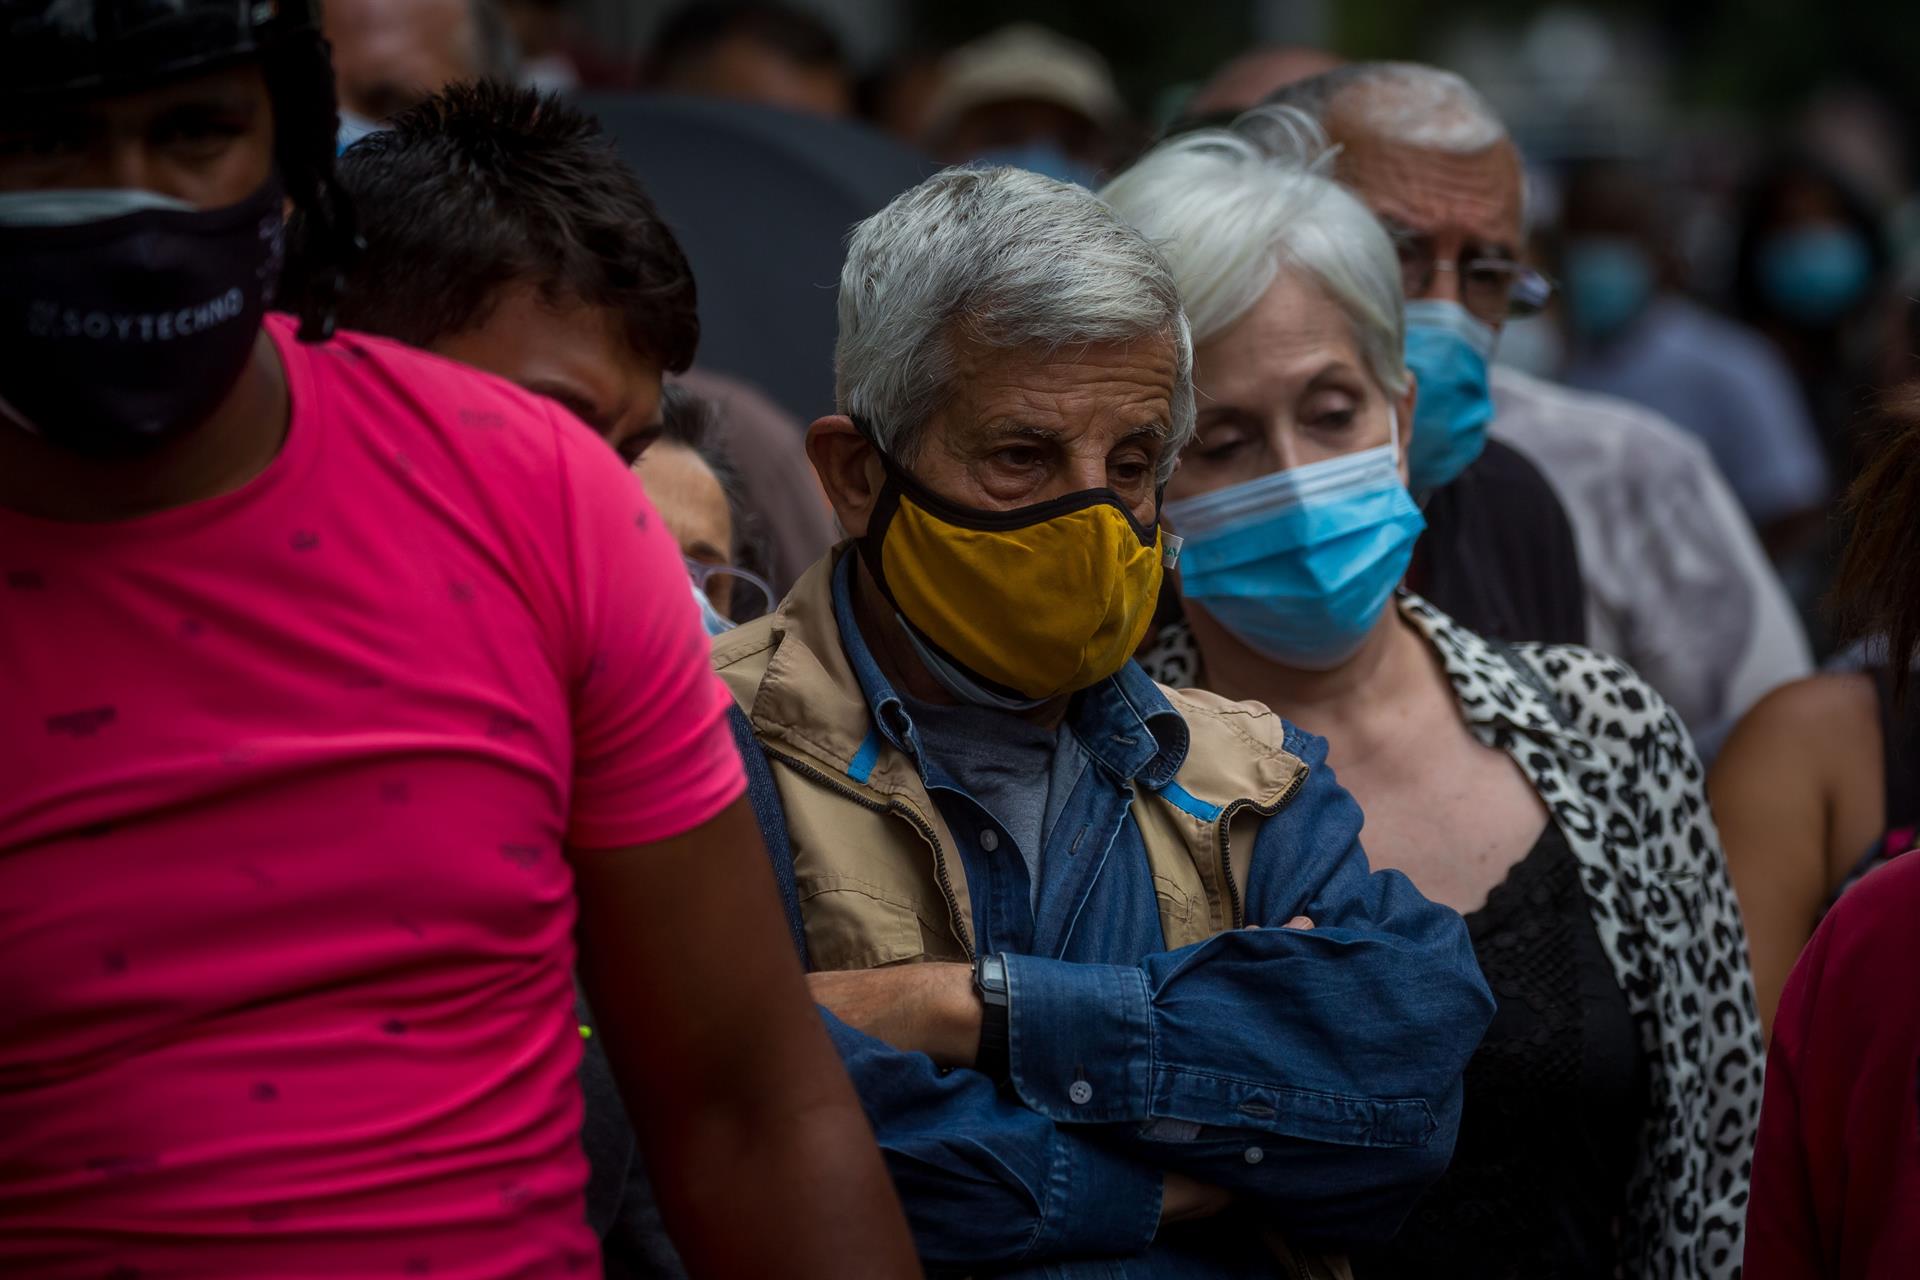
1491 289
738 595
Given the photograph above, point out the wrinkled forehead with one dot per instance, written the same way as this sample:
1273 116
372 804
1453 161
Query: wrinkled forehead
1097 392
1450 196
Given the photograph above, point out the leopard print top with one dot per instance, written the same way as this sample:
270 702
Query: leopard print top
1620 774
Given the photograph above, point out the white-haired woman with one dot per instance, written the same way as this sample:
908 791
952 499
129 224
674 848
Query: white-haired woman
1545 791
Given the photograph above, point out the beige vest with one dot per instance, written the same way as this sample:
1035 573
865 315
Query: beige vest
879 876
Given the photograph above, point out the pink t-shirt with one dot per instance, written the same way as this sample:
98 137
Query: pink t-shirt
285 777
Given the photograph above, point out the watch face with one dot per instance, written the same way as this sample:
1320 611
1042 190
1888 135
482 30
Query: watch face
990 975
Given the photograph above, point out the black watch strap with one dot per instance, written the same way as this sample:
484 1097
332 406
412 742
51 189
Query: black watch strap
990 980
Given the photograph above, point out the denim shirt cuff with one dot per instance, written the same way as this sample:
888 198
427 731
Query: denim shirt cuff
1099 1202
1080 1039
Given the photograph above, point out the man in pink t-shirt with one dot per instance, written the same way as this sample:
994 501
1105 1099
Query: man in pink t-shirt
335 676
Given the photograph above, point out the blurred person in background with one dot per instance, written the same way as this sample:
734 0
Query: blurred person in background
349 693
1836 1171
1027 97
1250 78
1810 262
390 54
1024 873
1636 336
543 36
1544 790
694 486
1798 838
894 97
557 52
1674 581
766 447
761 51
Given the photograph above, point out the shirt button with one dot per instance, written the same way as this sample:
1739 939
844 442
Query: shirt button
1080 1092
989 839
1253 1155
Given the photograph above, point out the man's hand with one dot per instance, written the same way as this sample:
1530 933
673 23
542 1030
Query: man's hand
919 1008
1182 1199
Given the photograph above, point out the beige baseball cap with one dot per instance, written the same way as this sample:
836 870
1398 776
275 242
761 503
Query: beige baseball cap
1024 61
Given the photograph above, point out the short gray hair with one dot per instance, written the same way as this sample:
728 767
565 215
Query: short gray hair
1003 258
1407 103
1232 208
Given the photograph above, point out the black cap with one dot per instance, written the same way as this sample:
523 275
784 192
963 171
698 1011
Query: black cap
91 47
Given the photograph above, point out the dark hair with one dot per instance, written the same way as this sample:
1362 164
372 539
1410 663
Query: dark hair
1878 589
485 185
1759 204
696 29
693 423
306 126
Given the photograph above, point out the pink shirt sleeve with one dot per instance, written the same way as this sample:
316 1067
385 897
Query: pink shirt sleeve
653 754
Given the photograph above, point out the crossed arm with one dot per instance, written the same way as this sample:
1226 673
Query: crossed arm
1313 1072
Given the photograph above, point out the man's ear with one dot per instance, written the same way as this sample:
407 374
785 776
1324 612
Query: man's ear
1404 406
849 470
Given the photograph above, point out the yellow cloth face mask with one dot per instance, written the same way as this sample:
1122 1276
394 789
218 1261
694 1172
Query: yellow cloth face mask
1030 603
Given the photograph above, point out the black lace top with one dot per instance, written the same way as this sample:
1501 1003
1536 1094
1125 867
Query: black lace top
1556 1099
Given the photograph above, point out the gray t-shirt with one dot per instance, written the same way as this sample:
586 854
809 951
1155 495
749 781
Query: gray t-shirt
1677 584
1020 772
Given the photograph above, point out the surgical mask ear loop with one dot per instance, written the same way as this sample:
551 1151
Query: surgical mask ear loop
1393 434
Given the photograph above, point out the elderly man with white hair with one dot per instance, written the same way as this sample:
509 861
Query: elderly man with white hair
1676 582
1104 959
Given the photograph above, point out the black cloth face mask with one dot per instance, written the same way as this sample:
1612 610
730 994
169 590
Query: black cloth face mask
120 330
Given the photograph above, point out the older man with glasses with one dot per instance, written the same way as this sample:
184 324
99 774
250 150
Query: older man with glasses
1673 579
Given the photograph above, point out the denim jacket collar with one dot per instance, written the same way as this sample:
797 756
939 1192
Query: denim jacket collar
1124 721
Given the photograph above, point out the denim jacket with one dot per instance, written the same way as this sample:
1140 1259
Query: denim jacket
1315 1074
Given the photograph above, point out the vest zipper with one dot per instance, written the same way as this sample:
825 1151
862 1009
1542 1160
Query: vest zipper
1237 911
812 774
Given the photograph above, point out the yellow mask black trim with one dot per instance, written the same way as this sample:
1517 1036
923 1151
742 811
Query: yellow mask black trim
1032 603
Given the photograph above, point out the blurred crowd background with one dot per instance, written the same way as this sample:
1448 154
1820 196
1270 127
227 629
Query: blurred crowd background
1723 194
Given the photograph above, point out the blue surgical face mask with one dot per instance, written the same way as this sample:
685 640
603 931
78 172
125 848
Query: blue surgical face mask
353 127
1448 351
1609 280
709 616
1300 564
1048 159
1815 275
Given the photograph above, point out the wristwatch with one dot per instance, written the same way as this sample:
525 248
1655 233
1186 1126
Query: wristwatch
990 980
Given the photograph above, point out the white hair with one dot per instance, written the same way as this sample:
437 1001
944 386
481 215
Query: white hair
1232 208
1001 258
1406 103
